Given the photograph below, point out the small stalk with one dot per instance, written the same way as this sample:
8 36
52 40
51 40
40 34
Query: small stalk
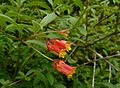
93 79
40 53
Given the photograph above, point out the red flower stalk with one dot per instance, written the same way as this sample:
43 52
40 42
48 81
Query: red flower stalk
63 68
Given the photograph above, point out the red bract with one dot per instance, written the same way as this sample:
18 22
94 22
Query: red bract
56 49
62 67
62 44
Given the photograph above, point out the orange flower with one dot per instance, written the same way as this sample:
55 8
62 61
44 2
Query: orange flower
62 67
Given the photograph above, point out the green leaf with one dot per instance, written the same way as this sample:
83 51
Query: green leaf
51 2
109 85
36 26
53 35
21 1
11 28
60 86
79 3
70 60
6 18
36 42
39 3
30 72
78 39
47 19
117 85
50 78
40 78
57 2
73 20
82 31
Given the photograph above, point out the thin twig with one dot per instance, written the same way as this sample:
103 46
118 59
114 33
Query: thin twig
73 50
97 40
93 79
103 19
109 73
105 59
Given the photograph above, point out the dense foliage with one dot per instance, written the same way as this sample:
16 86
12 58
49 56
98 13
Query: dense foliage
94 30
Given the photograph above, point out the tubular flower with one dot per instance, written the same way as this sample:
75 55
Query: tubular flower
59 46
63 68
62 44
56 49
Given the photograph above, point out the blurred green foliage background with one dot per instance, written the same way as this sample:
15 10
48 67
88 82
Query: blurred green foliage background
94 27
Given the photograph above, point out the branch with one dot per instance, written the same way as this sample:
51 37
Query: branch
103 19
97 40
104 58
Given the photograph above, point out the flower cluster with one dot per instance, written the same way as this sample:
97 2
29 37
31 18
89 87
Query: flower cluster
61 47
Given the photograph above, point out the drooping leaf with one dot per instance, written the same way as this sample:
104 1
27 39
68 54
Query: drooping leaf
36 42
6 18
